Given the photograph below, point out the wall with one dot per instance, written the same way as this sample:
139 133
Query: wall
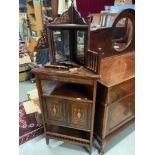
92 6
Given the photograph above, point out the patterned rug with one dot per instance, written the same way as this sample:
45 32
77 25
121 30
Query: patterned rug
28 126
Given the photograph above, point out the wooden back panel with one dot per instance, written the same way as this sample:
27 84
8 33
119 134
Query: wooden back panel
117 69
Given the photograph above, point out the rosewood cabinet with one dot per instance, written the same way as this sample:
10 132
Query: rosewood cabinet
67 104
115 101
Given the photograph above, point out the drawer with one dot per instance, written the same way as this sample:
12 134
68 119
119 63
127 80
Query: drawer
118 91
80 115
55 111
120 112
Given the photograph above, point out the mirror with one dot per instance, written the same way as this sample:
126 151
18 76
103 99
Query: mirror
122 34
61 45
80 46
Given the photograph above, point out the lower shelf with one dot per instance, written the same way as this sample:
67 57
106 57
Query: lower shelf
68 135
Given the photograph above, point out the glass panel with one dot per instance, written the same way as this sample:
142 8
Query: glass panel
80 46
122 34
61 45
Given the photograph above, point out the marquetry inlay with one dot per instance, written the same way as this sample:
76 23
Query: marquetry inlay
54 110
78 115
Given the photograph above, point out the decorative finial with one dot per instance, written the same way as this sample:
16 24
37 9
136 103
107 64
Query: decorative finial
72 1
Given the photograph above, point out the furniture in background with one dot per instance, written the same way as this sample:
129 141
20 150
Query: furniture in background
54 8
35 46
103 19
115 101
34 12
115 39
111 55
24 70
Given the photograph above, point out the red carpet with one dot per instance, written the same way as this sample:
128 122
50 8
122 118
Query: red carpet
28 126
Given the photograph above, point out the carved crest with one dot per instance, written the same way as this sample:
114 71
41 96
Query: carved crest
71 16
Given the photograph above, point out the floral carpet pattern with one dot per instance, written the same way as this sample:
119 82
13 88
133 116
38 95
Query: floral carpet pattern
28 126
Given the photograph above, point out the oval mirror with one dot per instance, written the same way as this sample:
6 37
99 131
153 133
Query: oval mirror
122 34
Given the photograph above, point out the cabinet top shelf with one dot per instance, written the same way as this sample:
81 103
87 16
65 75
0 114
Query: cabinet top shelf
82 73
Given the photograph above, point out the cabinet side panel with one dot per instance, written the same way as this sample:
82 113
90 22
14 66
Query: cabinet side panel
100 108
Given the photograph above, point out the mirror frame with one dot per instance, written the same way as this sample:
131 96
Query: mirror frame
130 14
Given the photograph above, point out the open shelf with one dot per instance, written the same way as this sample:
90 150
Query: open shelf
70 91
73 135
69 127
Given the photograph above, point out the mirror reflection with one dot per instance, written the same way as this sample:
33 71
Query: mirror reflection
61 45
122 34
80 46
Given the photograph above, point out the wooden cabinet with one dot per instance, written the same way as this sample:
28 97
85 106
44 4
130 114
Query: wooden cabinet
67 89
119 112
115 101
63 112
68 104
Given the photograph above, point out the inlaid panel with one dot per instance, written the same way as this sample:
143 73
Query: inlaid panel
80 115
120 112
55 111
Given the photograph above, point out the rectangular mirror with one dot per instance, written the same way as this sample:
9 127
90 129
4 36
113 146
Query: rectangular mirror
80 46
61 45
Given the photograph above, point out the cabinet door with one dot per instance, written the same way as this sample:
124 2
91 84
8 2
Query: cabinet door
120 112
80 115
55 111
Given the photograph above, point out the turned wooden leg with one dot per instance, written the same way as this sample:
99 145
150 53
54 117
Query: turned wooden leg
47 140
101 152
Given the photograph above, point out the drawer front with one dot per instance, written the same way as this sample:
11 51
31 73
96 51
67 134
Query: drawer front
118 91
65 79
120 112
80 115
55 111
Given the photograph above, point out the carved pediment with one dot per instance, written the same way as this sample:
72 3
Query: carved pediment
71 16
